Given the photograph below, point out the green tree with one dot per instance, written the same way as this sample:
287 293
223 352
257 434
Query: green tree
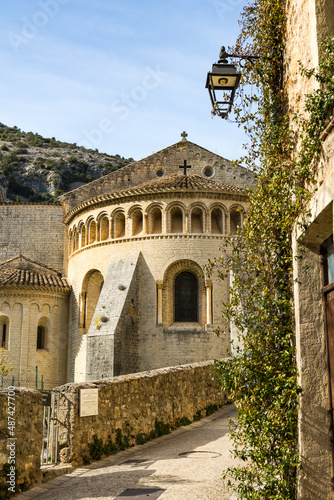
5 367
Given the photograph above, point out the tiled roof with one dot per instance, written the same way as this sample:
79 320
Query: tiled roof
14 276
185 182
172 183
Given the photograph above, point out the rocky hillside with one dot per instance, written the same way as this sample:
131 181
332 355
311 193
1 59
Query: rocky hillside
33 168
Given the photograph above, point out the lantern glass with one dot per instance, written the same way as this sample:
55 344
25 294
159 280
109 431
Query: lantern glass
226 81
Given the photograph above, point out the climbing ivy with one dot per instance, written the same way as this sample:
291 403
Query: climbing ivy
261 375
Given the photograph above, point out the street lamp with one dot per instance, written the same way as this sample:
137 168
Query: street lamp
225 78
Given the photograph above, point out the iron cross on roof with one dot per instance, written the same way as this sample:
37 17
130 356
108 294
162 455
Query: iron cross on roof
185 166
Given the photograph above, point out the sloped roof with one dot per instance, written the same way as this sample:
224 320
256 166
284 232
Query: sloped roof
184 182
172 183
168 159
21 270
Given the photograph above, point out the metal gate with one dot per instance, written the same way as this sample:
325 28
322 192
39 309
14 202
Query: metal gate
50 428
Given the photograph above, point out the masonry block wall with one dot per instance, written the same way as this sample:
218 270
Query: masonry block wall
158 344
308 22
132 403
24 315
28 433
35 231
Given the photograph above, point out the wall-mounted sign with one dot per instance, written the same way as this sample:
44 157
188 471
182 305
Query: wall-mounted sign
46 398
88 402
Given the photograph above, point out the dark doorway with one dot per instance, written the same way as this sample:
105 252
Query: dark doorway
186 298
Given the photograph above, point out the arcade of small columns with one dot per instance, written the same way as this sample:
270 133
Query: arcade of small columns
153 220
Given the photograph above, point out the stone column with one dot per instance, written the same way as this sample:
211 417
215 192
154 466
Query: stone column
228 225
207 223
160 285
111 228
128 226
208 288
186 230
98 230
164 221
82 309
145 225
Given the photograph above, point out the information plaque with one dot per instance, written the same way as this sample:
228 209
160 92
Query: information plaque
88 402
46 398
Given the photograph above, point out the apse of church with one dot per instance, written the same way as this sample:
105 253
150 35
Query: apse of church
148 231
136 245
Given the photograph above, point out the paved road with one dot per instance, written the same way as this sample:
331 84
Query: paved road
187 464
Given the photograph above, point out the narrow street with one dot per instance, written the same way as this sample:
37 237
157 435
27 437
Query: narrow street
184 465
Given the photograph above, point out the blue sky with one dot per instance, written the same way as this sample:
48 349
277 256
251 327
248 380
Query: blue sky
124 77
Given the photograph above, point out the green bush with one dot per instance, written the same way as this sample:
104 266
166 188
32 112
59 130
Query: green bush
122 441
96 448
197 416
142 438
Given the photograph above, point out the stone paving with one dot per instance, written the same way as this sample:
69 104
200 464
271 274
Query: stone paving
187 464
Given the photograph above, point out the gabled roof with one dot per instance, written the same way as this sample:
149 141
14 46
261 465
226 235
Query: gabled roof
168 161
22 271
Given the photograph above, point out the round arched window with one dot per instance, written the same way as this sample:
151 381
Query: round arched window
186 298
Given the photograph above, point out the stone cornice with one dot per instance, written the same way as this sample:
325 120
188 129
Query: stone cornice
44 289
167 236
30 292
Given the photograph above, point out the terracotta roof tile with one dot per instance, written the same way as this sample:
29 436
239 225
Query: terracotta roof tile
184 182
15 276
171 183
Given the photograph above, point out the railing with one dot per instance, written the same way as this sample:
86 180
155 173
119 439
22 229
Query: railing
40 381
50 431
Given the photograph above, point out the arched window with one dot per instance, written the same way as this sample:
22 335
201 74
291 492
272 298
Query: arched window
4 335
217 221
197 221
92 232
76 244
186 298
41 337
104 228
176 225
82 236
119 225
137 222
4 331
235 220
91 289
155 221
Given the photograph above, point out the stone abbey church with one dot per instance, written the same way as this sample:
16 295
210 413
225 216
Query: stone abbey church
113 281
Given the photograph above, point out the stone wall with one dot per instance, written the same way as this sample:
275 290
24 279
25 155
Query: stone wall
132 403
309 21
28 433
35 231
314 417
160 345
26 308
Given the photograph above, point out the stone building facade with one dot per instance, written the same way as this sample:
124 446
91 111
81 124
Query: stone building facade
308 22
114 282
